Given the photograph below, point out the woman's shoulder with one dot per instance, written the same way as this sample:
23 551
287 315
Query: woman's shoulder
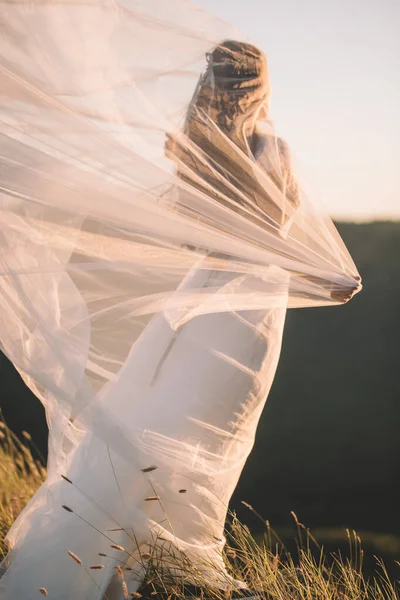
267 142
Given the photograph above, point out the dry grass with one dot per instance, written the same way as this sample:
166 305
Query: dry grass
20 476
264 564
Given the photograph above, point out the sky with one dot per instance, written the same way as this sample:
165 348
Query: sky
335 75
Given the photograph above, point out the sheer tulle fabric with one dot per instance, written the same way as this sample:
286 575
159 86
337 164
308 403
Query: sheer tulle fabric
151 241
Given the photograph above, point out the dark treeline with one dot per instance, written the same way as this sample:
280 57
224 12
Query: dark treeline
328 445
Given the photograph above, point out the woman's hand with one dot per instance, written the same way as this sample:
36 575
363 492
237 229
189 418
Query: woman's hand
343 295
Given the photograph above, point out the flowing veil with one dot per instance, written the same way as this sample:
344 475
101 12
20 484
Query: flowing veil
131 207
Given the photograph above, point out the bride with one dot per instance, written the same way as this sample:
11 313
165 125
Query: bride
148 455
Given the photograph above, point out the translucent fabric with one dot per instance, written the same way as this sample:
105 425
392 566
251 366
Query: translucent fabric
153 234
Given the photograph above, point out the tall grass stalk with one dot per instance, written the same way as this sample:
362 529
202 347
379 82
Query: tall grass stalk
20 476
264 565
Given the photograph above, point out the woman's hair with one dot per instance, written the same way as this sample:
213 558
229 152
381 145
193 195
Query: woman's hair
235 83
215 155
238 65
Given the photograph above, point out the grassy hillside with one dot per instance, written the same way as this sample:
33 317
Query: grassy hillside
262 562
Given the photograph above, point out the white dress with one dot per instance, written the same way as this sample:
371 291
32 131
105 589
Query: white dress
187 402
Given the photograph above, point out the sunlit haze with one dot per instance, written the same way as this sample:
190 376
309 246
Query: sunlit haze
335 73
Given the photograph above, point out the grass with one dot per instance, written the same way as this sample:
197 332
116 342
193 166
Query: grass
20 476
264 564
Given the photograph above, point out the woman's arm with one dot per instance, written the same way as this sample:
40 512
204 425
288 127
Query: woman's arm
338 292
210 161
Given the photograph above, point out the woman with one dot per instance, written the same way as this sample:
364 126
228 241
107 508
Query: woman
189 396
